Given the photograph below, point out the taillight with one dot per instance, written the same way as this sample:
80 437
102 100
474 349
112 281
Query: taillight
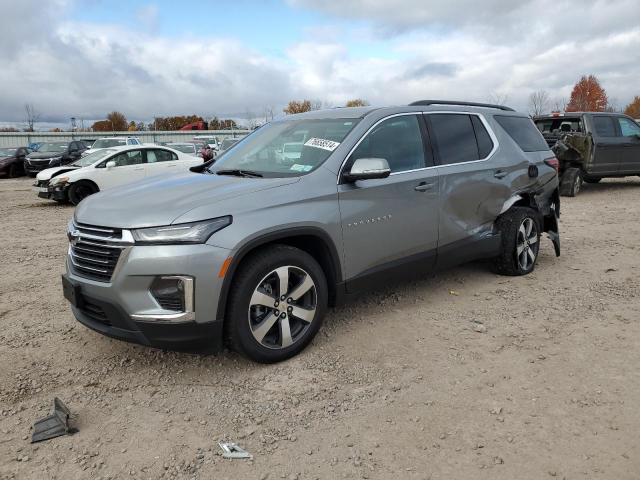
553 163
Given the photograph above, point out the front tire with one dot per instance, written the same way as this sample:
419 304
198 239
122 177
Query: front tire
571 182
277 304
14 171
520 231
80 190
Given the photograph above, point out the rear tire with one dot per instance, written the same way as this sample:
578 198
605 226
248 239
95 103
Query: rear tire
80 190
571 182
520 232
277 304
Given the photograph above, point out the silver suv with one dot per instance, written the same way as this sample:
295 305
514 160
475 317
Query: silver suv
251 249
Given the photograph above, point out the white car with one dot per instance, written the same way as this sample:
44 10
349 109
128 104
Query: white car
110 167
188 148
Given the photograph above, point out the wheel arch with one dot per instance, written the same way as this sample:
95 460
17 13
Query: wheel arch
312 240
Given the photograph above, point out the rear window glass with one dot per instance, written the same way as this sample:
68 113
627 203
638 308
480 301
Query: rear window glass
559 125
454 137
523 132
604 126
485 145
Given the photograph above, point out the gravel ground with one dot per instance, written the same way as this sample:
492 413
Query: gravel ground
465 374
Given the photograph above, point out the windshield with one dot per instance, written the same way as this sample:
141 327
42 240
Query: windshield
7 152
108 142
269 150
53 147
183 147
93 158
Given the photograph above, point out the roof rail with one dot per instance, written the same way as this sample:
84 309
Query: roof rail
455 102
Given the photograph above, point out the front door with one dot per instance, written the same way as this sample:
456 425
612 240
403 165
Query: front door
388 222
630 132
129 168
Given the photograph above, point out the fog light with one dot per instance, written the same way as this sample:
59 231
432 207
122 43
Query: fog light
173 293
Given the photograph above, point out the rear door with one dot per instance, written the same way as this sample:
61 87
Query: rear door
609 146
474 183
161 161
630 132
129 168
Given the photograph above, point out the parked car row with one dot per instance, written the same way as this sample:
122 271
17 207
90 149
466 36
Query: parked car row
106 168
251 249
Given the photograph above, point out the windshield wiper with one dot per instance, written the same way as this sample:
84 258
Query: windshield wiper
240 173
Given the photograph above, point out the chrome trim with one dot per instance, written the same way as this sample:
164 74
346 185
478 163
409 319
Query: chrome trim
484 121
164 317
188 315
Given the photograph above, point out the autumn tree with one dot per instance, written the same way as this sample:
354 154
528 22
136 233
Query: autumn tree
220 124
132 126
101 126
539 103
588 96
176 122
357 102
633 109
295 106
118 121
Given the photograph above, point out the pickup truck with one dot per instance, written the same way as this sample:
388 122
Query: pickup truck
591 146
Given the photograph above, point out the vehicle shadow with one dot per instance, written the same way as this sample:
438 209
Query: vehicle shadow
608 186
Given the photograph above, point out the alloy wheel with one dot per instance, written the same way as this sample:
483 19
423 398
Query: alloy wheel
527 244
282 307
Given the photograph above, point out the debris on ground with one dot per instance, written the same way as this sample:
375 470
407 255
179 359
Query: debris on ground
55 425
232 450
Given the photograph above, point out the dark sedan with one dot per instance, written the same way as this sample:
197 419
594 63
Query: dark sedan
12 161
53 154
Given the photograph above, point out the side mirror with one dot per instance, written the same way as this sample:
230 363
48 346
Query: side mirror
110 164
368 169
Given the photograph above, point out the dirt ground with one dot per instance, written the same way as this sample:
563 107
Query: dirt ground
398 384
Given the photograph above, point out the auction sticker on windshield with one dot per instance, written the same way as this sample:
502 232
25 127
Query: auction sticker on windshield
301 168
322 143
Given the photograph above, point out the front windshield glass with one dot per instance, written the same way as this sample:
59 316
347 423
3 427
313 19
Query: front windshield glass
108 142
93 158
7 152
184 147
287 148
52 147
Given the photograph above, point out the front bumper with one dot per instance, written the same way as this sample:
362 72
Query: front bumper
110 307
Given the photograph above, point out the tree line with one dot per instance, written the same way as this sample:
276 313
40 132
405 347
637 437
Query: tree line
117 122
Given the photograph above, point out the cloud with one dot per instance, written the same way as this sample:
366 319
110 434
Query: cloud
385 52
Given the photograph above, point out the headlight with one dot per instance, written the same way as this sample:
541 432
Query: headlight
55 159
58 181
196 232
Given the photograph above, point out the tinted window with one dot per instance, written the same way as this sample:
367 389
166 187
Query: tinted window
454 137
523 132
485 144
604 126
154 156
559 124
398 140
133 157
628 127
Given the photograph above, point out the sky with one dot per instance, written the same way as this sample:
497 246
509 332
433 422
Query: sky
83 59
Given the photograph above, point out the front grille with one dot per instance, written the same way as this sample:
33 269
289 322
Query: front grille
95 251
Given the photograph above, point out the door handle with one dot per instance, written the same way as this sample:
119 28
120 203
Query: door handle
423 187
500 174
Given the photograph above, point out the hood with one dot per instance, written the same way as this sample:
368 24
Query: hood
161 200
43 155
49 173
